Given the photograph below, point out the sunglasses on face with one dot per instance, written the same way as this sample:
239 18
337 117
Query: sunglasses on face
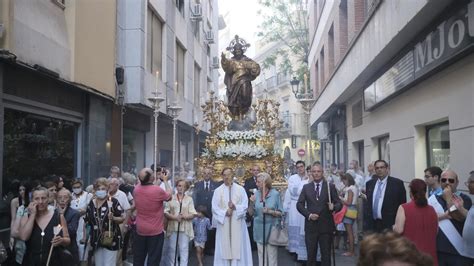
444 180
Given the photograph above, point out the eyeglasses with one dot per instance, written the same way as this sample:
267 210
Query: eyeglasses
451 181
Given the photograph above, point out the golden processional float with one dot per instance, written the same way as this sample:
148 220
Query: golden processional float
242 134
242 149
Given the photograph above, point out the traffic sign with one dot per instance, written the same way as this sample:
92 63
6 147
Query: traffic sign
301 152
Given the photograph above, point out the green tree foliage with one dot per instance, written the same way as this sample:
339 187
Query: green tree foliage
285 22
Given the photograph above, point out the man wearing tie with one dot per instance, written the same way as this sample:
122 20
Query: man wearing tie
384 195
202 195
317 201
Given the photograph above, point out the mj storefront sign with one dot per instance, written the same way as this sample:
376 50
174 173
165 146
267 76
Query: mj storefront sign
450 39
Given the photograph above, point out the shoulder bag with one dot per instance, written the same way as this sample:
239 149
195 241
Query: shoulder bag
279 234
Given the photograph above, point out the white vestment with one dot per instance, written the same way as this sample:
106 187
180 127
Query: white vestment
295 219
232 238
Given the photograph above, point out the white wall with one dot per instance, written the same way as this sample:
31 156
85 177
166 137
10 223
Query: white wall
448 95
40 35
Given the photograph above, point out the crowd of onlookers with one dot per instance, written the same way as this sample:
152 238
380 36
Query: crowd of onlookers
59 220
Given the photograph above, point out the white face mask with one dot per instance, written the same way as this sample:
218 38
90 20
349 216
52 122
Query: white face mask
77 190
101 194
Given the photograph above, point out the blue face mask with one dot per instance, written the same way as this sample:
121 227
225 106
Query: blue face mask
101 194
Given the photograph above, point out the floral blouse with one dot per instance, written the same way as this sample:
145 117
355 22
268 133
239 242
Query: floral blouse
98 220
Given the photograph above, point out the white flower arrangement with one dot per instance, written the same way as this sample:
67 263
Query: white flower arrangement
241 135
240 149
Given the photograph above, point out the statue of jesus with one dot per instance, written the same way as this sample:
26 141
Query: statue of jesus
239 72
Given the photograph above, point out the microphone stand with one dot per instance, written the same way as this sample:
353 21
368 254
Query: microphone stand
177 233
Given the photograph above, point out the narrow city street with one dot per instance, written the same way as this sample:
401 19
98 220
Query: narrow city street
284 259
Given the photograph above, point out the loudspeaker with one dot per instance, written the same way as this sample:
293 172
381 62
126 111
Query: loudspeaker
119 75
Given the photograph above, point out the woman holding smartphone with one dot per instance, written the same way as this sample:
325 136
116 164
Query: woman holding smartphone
37 229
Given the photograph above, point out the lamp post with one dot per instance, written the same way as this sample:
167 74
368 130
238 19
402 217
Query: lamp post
307 102
174 113
156 101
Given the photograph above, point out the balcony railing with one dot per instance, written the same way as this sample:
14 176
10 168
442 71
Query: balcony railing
271 82
282 78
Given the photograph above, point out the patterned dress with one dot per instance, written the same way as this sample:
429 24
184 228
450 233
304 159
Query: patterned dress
97 218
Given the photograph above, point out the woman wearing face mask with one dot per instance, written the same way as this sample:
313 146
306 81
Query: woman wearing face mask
103 215
79 202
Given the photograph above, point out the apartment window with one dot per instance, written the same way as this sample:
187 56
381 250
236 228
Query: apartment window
343 41
197 83
359 16
180 6
322 72
180 69
359 148
331 49
154 43
316 78
384 148
357 114
438 145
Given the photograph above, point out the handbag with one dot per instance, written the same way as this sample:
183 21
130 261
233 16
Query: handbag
278 235
339 216
107 239
351 213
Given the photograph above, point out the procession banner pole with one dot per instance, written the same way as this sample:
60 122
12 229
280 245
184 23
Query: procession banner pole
177 234
230 220
264 238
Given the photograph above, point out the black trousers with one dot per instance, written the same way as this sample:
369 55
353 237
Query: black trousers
312 239
147 245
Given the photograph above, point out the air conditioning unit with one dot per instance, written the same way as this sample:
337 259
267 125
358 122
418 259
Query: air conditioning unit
323 131
196 12
210 36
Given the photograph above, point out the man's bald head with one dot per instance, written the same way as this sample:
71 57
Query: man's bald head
145 175
449 177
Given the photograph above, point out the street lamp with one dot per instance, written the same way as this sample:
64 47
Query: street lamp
174 113
306 100
295 83
156 101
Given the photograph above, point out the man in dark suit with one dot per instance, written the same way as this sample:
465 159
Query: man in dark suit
317 207
249 185
202 195
384 195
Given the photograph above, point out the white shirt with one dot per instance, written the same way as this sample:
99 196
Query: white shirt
355 192
122 199
468 233
382 183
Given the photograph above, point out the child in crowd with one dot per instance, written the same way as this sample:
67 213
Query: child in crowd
200 224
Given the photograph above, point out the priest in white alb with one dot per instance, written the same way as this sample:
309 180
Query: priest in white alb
229 206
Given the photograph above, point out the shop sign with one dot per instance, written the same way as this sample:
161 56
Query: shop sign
449 39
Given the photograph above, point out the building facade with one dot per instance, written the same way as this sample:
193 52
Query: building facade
57 87
275 84
169 45
394 82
